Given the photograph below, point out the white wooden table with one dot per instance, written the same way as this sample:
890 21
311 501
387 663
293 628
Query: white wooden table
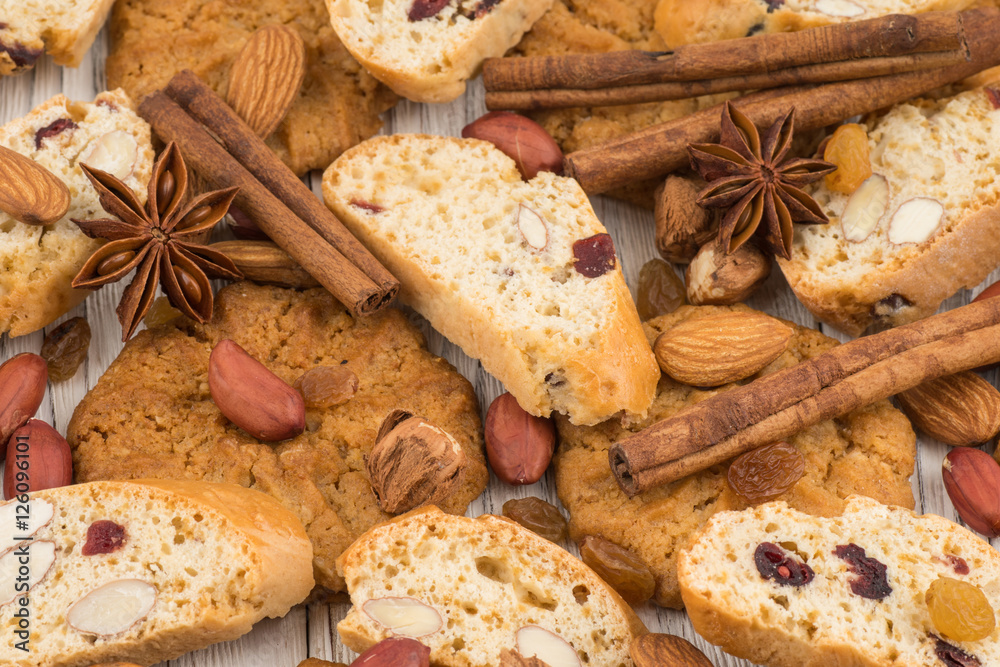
310 631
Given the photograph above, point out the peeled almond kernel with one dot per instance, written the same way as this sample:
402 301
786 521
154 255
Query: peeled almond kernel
39 515
865 208
114 152
916 220
39 556
843 8
113 608
404 616
532 227
550 648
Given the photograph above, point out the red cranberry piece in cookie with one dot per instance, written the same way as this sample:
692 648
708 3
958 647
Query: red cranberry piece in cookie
595 256
871 582
952 656
774 563
425 9
104 537
52 129
994 96
367 206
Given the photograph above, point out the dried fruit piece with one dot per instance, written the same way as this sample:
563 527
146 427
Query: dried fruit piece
766 472
871 581
972 480
112 608
848 149
54 128
425 9
367 206
594 256
161 313
395 652
865 209
993 95
620 568
65 348
774 563
660 291
327 386
104 537
952 656
550 648
916 220
519 446
960 610
538 516
404 616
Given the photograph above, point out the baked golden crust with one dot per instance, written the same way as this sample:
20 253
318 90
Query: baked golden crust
339 103
870 451
151 414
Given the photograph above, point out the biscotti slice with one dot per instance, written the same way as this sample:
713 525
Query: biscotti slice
923 226
64 28
144 571
521 275
39 263
785 589
472 588
425 50
685 22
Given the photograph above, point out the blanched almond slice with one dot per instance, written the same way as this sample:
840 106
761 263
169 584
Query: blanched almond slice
532 227
550 648
844 8
916 220
39 515
404 616
113 608
865 208
39 557
114 152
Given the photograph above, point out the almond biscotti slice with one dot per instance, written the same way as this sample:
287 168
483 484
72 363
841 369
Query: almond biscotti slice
39 263
786 589
64 28
425 50
143 571
924 225
472 588
521 275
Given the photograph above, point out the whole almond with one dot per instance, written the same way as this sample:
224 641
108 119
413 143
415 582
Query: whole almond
972 479
395 652
37 458
252 397
29 192
519 446
266 77
722 347
659 650
522 139
22 386
265 262
959 410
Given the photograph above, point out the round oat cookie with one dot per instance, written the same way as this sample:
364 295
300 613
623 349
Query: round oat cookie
337 107
151 414
869 452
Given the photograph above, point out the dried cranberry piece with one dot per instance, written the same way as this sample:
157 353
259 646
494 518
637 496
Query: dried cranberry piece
425 9
871 581
993 94
952 656
20 54
958 564
367 206
52 129
483 8
595 256
104 537
773 563
774 4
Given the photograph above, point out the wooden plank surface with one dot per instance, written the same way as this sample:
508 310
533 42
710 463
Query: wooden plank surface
309 631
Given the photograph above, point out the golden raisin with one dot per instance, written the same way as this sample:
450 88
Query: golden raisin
960 610
766 472
620 568
538 516
160 313
327 386
660 292
65 348
848 149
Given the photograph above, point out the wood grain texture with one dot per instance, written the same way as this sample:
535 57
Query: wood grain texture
310 630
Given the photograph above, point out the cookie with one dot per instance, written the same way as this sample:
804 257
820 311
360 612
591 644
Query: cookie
39 263
63 28
869 452
337 107
151 413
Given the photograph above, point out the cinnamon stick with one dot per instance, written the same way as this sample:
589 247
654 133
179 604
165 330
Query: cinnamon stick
201 102
779 405
893 35
658 150
560 98
324 262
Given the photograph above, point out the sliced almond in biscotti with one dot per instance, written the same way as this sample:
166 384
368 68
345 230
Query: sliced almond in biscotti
720 348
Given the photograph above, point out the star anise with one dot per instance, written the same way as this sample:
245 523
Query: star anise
162 241
754 178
